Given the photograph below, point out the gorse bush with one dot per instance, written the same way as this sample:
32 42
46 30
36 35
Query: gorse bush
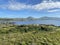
26 28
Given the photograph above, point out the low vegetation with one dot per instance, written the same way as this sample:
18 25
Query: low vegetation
29 34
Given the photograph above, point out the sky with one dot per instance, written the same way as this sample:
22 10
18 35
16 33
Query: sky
32 8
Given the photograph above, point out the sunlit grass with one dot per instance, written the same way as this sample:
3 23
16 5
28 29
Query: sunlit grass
30 35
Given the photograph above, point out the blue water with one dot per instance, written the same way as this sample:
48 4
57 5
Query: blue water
48 22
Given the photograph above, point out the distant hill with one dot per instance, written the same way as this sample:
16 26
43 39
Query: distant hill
29 18
49 18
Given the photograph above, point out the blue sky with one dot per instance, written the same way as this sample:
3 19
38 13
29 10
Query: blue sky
26 8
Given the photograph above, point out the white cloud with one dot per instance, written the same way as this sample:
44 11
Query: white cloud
45 5
12 5
53 10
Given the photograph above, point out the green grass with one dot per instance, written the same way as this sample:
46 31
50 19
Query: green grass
29 35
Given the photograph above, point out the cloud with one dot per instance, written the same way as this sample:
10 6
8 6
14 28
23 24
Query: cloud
45 5
12 5
53 10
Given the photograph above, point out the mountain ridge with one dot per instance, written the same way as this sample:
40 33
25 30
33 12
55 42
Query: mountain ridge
29 18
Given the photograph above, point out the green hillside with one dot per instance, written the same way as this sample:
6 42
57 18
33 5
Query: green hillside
29 34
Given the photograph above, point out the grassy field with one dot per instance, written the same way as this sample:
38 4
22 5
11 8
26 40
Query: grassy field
29 35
